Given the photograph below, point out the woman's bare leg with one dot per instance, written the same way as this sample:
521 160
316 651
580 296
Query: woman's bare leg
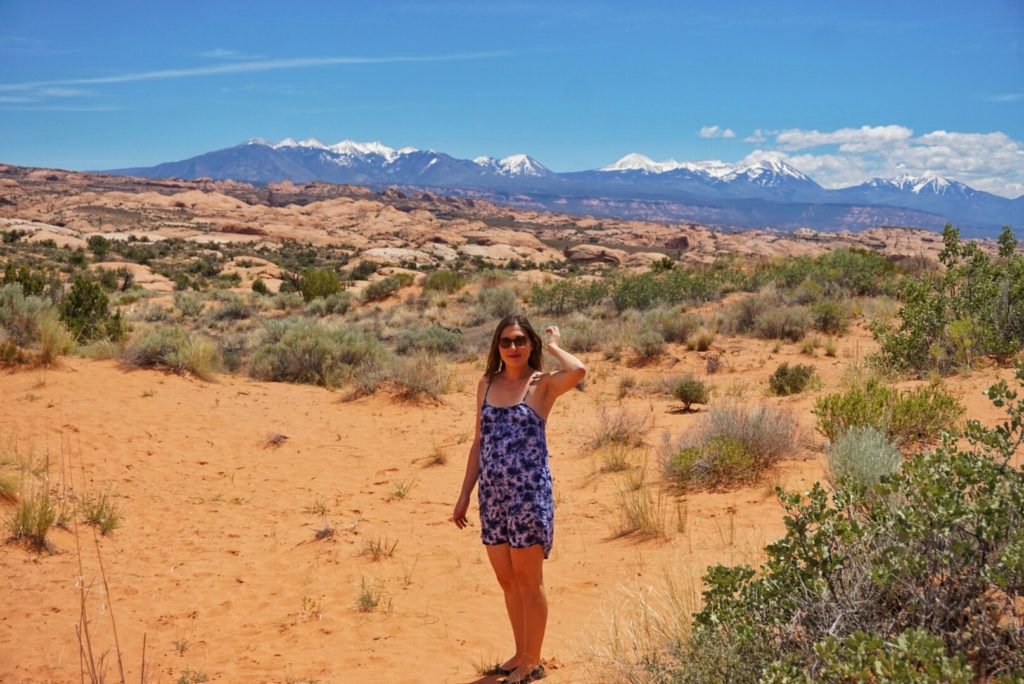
528 570
501 561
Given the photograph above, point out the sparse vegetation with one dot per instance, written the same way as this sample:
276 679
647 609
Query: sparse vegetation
793 379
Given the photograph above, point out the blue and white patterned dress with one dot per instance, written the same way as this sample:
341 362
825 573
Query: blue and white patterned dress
516 503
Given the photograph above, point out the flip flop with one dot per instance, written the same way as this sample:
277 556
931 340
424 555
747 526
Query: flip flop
497 670
537 674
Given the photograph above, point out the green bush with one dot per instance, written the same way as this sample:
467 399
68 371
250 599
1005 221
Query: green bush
787 380
299 351
86 312
830 316
863 454
689 390
384 288
647 342
568 296
259 286
444 281
337 303
189 304
235 308
173 348
498 301
741 316
974 308
35 282
783 323
906 586
32 519
22 317
673 325
319 282
916 415
99 246
581 334
732 445
432 338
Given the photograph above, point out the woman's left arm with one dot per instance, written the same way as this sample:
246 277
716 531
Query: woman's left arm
572 370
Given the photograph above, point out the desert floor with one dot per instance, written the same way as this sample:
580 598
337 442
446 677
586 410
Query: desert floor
217 562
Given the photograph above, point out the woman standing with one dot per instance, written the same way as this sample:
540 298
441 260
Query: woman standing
509 459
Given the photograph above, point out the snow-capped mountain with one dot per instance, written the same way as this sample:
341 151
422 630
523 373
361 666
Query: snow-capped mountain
769 192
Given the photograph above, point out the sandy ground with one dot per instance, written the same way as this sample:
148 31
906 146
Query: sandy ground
217 564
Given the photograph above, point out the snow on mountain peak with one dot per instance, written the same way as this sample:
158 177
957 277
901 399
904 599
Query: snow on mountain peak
933 185
521 165
635 161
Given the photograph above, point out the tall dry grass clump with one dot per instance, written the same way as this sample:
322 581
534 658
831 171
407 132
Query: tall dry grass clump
620 425
173 348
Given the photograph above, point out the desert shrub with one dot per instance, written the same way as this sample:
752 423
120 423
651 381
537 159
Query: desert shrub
299 351
732 444
431 338
863 454
793 379
188 304
906 586
498 301
10 354
830 316
783 323
422 377
581 334
99 246
444 281
22 317
647 342
107 278
34 281
673 325
287 301
232 350
568 296
153 313
319 282
740 316
621 426
173 348
689 390
385 287
916 415
974 308
86 312
337 303
102 512
700 340
55 340
259 286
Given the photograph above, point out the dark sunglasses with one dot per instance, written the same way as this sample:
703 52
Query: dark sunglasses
518 341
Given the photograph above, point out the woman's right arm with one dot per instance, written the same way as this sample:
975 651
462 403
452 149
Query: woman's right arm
472 464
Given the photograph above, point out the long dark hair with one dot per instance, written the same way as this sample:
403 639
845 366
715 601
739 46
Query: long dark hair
536 360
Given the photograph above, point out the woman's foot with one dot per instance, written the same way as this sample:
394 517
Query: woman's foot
525 673
506 668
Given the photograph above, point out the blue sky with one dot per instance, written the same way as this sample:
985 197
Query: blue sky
844 91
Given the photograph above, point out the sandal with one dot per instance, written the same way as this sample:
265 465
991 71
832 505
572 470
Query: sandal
537 674
497 670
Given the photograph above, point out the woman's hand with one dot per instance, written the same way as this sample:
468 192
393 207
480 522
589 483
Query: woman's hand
554 336
459 513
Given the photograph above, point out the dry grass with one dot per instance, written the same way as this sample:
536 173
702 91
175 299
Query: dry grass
622 426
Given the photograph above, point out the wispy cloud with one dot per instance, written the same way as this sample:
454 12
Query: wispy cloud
717 132
222 53
1005 97
249 67
993 162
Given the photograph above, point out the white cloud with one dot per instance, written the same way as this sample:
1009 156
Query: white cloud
1006 97
716 132
993 162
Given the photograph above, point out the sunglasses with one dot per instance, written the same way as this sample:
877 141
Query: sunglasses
518 341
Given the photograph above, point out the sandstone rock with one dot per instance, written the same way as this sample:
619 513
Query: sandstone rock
592 254
397 255
643 259
143 275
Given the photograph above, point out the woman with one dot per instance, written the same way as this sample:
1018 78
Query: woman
509 458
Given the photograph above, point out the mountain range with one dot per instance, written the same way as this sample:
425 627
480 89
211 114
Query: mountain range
766 194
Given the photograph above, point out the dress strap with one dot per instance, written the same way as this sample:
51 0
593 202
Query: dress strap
529 384
488 388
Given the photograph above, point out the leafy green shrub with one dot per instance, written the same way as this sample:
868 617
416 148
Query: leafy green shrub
432 338
35 282
86 312
793 379
783 323
444 281
259 286
337 303
385 287
173 348
689 390
99 246
830 316
974 308
863 454
568 296
498 301
741 315
319 282
299 351
907 586
915 415
732 444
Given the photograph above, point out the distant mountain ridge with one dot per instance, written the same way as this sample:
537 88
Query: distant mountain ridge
768 193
